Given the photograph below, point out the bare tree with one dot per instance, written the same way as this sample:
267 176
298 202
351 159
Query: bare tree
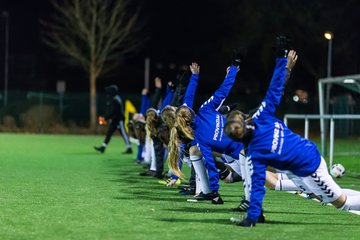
95 33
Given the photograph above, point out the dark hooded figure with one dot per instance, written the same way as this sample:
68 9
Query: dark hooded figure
115 116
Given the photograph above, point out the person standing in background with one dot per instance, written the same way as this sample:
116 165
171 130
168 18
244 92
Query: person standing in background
115 116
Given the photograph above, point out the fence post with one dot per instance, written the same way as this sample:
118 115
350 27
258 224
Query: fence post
332 129
306 129
41 129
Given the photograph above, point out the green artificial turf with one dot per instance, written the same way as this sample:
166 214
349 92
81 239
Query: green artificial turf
58 187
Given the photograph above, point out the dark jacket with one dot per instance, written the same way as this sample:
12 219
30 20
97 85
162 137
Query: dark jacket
115 109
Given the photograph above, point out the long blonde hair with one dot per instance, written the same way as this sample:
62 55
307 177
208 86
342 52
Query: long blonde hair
174 153
183 121
168 115
182 124
151 121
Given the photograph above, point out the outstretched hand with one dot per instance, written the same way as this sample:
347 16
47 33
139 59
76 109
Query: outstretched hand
195 68
158 82
292 58
145 91
172 86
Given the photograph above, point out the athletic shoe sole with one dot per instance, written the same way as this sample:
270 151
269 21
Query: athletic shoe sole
237 220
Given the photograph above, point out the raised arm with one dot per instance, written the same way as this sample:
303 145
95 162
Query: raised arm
292 58
145 101
275 90
157 93
181 85
169 96
216 100
190 91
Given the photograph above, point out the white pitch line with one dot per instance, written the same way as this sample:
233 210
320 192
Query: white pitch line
355 212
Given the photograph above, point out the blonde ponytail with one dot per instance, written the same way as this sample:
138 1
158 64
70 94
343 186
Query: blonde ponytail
183 121
168 115
173 157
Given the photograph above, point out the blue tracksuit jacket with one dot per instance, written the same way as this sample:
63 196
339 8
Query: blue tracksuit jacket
274 144
168 98
145 104
209 129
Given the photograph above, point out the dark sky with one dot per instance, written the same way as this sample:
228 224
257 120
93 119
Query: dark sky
182 31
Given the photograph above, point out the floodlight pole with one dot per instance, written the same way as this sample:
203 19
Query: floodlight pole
147 73
323 127
329 57
322 120
6 15
328 75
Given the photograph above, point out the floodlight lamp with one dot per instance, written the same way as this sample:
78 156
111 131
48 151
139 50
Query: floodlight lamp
349 81
328 35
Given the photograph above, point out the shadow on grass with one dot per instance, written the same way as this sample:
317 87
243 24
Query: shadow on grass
80 153
209 221
147 198
147 192
310 223
123 180
228 222
199 210
300 213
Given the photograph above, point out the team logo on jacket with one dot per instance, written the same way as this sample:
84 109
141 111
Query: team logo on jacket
278 138
218 125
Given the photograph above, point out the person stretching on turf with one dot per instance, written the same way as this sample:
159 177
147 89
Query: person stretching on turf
269 142
205 129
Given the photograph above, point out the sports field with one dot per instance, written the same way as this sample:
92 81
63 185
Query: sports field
58 187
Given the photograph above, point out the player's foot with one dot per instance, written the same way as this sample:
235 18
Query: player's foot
169 182
128 151
150 173
183 186
138 161
261 218
243 221
213 196
100 149
187 191
243 206
164 181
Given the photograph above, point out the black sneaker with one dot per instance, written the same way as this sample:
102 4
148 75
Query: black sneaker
243 221
261 218
149 173
183 186
243 206
217 199
100 149
188 191
128 151
247 223
138 161
214 197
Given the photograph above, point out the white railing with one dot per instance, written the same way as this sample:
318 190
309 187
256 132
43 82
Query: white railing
307 117
348 79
